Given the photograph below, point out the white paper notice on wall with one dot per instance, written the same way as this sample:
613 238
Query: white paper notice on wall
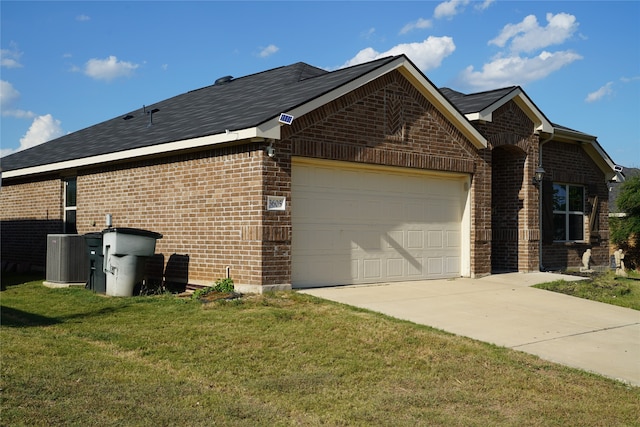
276 203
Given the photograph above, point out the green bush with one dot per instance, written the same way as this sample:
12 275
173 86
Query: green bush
221 286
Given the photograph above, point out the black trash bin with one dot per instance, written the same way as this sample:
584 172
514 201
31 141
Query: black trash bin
97 281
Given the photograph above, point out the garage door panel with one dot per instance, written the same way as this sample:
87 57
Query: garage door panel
435 239
372 269
434 266
453 265
415 270
353 225
415 239
395 267
453 239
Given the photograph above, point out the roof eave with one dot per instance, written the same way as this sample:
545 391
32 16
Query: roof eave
249 134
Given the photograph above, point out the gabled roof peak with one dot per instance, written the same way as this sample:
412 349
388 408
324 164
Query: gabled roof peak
475 102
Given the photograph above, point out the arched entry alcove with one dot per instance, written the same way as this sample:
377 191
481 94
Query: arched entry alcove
508 203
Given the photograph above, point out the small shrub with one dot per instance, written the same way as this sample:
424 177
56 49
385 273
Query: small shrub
224 286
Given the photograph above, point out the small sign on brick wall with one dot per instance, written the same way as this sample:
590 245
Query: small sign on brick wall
276 203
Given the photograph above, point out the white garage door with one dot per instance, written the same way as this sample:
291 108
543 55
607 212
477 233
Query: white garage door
354 224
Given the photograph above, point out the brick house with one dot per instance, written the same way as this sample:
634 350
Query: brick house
379 177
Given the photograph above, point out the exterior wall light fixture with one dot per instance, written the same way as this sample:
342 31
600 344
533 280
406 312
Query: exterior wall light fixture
538 175
270 150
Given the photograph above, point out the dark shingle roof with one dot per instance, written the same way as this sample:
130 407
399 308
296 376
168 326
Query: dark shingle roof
242 103
560 127
475 102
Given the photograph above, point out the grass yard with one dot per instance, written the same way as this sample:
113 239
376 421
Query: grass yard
71 357
603 287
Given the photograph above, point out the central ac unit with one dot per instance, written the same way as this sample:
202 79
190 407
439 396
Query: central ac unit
66 259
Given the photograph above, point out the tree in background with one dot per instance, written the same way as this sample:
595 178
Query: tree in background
625 231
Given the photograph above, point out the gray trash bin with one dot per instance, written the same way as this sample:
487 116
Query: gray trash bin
97 279
125 253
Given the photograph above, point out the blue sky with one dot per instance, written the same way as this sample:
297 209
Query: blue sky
68 65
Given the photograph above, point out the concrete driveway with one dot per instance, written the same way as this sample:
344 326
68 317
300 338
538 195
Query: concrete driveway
504 310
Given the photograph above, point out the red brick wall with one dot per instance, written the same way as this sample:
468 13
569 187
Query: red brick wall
208 207
388 122
570 164
514 219
507 175
30 211
276 231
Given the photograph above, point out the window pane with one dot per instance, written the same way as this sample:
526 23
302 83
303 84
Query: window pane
70 222
559 197
559 227
70 193
576 227
576 199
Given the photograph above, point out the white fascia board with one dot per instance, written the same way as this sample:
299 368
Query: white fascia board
482 116
416 78
187 144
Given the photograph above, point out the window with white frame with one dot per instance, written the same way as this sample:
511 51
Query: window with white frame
70 189
568 212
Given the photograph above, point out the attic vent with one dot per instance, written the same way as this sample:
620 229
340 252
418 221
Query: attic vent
128 117
223 80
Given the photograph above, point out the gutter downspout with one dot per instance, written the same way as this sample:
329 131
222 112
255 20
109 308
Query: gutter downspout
540 266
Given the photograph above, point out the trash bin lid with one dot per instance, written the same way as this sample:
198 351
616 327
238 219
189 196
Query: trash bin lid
93 239
134 231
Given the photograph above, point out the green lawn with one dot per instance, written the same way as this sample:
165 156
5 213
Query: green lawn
70 357
604 287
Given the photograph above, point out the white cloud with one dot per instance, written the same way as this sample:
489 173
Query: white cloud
268 51
8 97
629 79
600 93
449 9
6 151
109 68
420 24
426 55
516 70
367 34
8 94
10 58
83 18
518 64
529 36
484 5
43 129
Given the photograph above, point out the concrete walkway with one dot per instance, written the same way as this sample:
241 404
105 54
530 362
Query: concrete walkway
504 310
